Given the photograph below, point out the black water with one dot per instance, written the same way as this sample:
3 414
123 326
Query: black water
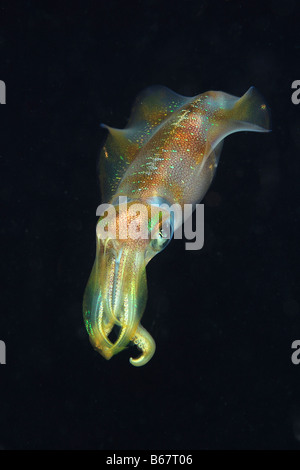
223 318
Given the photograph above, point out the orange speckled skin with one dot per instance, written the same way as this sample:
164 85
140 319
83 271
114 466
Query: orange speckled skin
168 165
169 152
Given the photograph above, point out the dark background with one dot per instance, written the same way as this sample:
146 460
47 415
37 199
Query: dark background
223 318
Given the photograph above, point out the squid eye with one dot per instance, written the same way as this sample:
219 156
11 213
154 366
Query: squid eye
162 236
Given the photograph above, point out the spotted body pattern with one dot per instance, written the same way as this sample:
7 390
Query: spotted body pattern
169 152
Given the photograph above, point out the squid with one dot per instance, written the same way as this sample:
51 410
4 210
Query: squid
165 157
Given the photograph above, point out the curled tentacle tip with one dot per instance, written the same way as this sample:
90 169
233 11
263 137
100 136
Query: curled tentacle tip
139 361
144 358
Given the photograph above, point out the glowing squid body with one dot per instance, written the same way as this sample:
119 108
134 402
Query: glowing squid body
168 153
